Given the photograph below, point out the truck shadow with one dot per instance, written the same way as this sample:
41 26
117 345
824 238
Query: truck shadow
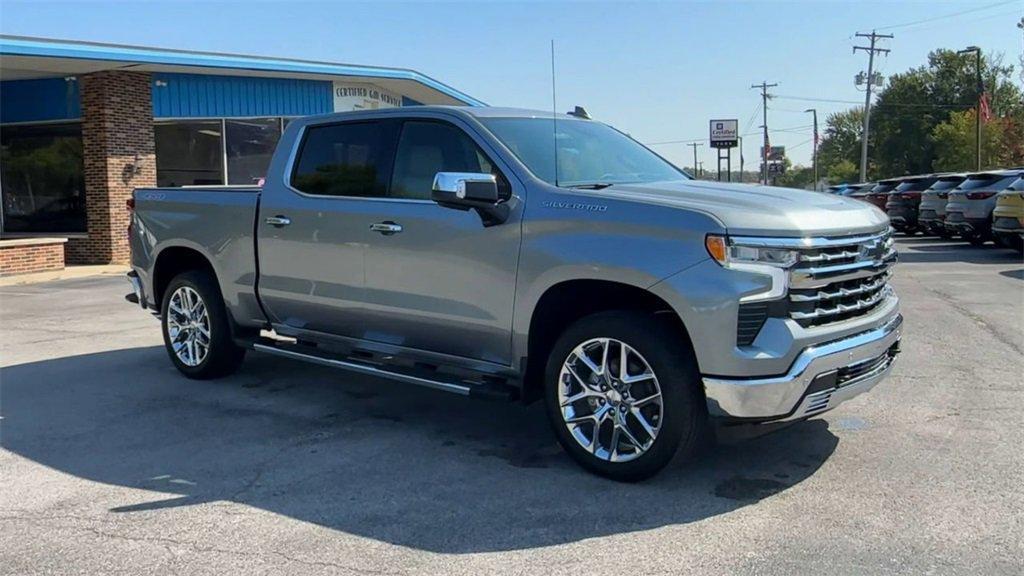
385 461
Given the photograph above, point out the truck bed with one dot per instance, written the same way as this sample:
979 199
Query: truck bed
218 223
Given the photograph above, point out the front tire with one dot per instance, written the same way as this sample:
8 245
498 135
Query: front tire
196 329
622 392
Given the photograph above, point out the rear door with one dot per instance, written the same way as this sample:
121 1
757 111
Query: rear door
312 228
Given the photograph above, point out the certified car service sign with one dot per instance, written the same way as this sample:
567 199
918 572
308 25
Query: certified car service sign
724 133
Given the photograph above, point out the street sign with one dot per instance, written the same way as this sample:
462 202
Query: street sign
776 168
775 152
725 133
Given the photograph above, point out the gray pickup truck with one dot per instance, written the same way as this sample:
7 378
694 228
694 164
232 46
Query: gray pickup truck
511 254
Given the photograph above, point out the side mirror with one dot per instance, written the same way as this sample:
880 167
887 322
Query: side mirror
466 190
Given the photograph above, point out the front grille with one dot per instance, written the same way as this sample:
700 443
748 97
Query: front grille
955 217
928 215
841 280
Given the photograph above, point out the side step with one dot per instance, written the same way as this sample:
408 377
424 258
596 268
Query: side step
486 390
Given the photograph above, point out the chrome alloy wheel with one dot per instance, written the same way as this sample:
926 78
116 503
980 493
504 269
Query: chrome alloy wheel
610 399
188 326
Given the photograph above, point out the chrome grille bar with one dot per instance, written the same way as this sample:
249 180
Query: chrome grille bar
841 308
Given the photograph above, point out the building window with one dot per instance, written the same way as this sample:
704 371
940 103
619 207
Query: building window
42 179
250 145
189 153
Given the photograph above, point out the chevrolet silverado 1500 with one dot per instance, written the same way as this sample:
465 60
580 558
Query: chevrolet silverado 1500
512 254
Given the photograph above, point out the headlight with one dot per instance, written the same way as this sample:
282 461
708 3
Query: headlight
729 253
768 261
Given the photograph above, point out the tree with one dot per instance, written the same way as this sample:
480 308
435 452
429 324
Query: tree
909 109
843 171
796 177
1001 143
841 142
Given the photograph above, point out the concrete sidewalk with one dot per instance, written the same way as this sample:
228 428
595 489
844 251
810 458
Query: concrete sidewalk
65 274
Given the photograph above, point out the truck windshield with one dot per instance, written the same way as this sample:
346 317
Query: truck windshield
590 154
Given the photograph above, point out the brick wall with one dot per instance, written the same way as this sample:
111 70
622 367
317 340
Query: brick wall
22 257
117 127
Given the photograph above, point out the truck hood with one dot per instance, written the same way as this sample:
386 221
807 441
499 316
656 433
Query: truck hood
747 209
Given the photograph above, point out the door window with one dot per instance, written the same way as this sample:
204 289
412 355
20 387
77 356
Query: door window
426 148
344 160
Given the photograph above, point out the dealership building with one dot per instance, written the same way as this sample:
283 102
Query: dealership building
83 124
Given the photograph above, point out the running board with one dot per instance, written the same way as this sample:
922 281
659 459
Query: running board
461 389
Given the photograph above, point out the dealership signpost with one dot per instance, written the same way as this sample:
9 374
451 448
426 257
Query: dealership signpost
725 134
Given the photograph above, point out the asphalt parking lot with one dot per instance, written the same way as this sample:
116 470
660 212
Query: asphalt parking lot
111 463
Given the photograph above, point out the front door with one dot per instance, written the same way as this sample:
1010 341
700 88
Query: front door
436 278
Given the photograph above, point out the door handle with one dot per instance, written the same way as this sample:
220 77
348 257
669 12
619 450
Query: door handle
386 228
278 220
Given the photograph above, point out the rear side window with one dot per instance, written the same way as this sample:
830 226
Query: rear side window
344 160
426 148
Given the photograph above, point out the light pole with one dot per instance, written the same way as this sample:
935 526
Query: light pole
977 109
814 152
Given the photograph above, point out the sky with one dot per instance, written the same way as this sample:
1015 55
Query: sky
659 71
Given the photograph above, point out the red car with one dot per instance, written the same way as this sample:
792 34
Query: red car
879 195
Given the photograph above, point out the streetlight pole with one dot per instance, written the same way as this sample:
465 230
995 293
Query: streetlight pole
977 109
814 153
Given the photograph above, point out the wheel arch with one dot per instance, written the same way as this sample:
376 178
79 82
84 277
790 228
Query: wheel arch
174 260
568 301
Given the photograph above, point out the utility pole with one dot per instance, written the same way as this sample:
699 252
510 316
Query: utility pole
871 50
740 158
977 109
694 145
764 86
814 153
701 163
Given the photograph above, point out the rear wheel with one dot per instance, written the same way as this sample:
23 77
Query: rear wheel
196 329
622 394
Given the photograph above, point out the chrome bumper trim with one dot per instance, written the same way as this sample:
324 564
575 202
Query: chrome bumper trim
778 396
140 295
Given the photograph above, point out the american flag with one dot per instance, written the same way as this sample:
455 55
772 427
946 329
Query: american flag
985 111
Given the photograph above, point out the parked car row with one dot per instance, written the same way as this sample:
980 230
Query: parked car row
976 207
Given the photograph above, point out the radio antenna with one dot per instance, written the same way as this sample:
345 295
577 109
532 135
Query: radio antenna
554 112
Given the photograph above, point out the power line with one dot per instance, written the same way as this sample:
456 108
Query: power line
881 104
944 16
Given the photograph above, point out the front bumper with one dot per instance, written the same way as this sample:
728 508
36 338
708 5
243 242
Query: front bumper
822 377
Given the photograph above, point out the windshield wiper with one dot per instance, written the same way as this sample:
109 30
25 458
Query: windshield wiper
592 185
